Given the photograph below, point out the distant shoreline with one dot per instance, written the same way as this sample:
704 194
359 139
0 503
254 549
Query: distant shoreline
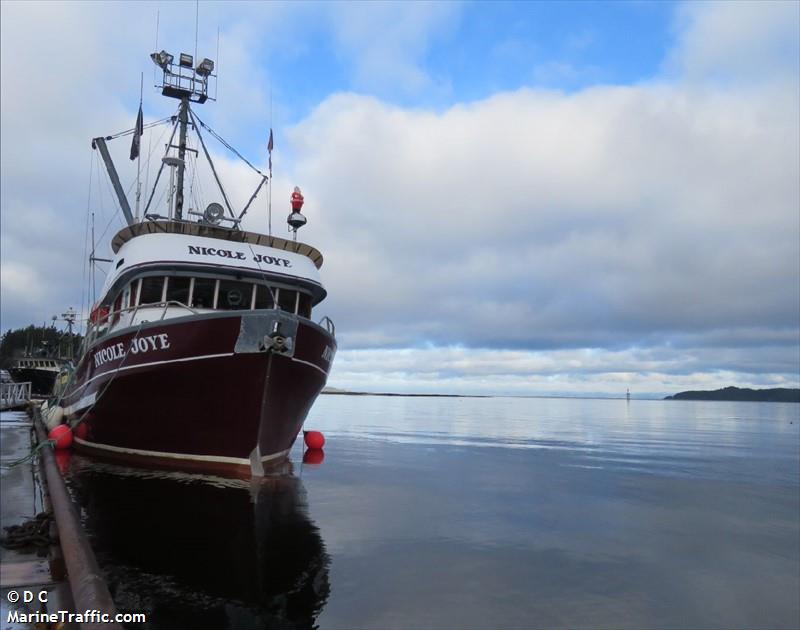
339 392
729 394
738 394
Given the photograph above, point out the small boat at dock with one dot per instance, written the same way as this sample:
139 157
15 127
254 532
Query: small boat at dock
201 352
40 372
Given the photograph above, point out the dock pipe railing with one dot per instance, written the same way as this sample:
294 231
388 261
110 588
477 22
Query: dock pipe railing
89 590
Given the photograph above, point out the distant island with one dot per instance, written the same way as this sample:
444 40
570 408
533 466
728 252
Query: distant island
778 394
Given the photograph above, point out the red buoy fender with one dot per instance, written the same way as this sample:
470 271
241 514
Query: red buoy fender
61 436
314 439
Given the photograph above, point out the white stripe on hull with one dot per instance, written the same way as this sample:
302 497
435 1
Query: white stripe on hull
151 363
220 459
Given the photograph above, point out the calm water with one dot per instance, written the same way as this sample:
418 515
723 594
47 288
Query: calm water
473 513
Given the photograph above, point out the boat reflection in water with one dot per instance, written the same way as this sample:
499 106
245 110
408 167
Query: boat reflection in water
204 552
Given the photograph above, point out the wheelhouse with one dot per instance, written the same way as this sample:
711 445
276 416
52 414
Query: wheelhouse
164 270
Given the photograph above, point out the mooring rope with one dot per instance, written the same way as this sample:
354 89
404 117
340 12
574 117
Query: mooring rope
31 454
33 533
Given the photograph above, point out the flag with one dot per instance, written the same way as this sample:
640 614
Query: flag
137 134
269 148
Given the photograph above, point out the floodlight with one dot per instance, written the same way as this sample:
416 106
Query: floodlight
187 61
205 67
214 213
162 59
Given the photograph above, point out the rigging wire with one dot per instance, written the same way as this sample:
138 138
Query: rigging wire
92 264
160 170
150 152
202 192
226 144
129 132
84 292
113 216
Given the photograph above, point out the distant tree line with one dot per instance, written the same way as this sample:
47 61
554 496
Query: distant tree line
777 394
38 341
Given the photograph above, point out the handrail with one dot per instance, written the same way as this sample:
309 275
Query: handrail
135 309
327 322
14 394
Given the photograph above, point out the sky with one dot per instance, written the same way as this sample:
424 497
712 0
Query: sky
566 198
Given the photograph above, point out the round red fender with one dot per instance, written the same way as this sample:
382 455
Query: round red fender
61 435
314 439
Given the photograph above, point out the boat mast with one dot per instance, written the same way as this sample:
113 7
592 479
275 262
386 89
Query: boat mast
183 121
185 82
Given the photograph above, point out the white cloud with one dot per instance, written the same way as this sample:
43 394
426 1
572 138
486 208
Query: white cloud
743 40
591 218
646 372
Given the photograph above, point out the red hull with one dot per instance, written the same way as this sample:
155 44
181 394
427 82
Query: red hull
200 393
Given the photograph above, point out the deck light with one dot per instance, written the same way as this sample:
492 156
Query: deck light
214 213
162 59
186 60
205 67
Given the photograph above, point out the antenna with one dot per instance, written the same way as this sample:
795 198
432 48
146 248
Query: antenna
269 149
158 12
216 83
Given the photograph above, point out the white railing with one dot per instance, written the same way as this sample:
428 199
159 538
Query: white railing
14 394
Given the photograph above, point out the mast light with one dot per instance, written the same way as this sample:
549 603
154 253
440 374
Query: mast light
214 213
205 67
186 60
162 59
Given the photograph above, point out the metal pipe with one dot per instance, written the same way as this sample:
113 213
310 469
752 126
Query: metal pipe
100 145
89 590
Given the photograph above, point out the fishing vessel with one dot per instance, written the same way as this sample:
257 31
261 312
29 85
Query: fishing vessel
40 372
44 360
201 352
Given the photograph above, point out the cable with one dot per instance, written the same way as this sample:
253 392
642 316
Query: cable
226 144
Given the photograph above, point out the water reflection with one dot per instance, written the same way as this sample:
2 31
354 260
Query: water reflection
205 552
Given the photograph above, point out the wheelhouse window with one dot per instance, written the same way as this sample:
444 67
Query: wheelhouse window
204 292
234 296
304 305
287 300
264 297
135 286
152 290
116 309
178 288
210 293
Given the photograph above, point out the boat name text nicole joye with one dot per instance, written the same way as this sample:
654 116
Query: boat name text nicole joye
140 345
227 253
